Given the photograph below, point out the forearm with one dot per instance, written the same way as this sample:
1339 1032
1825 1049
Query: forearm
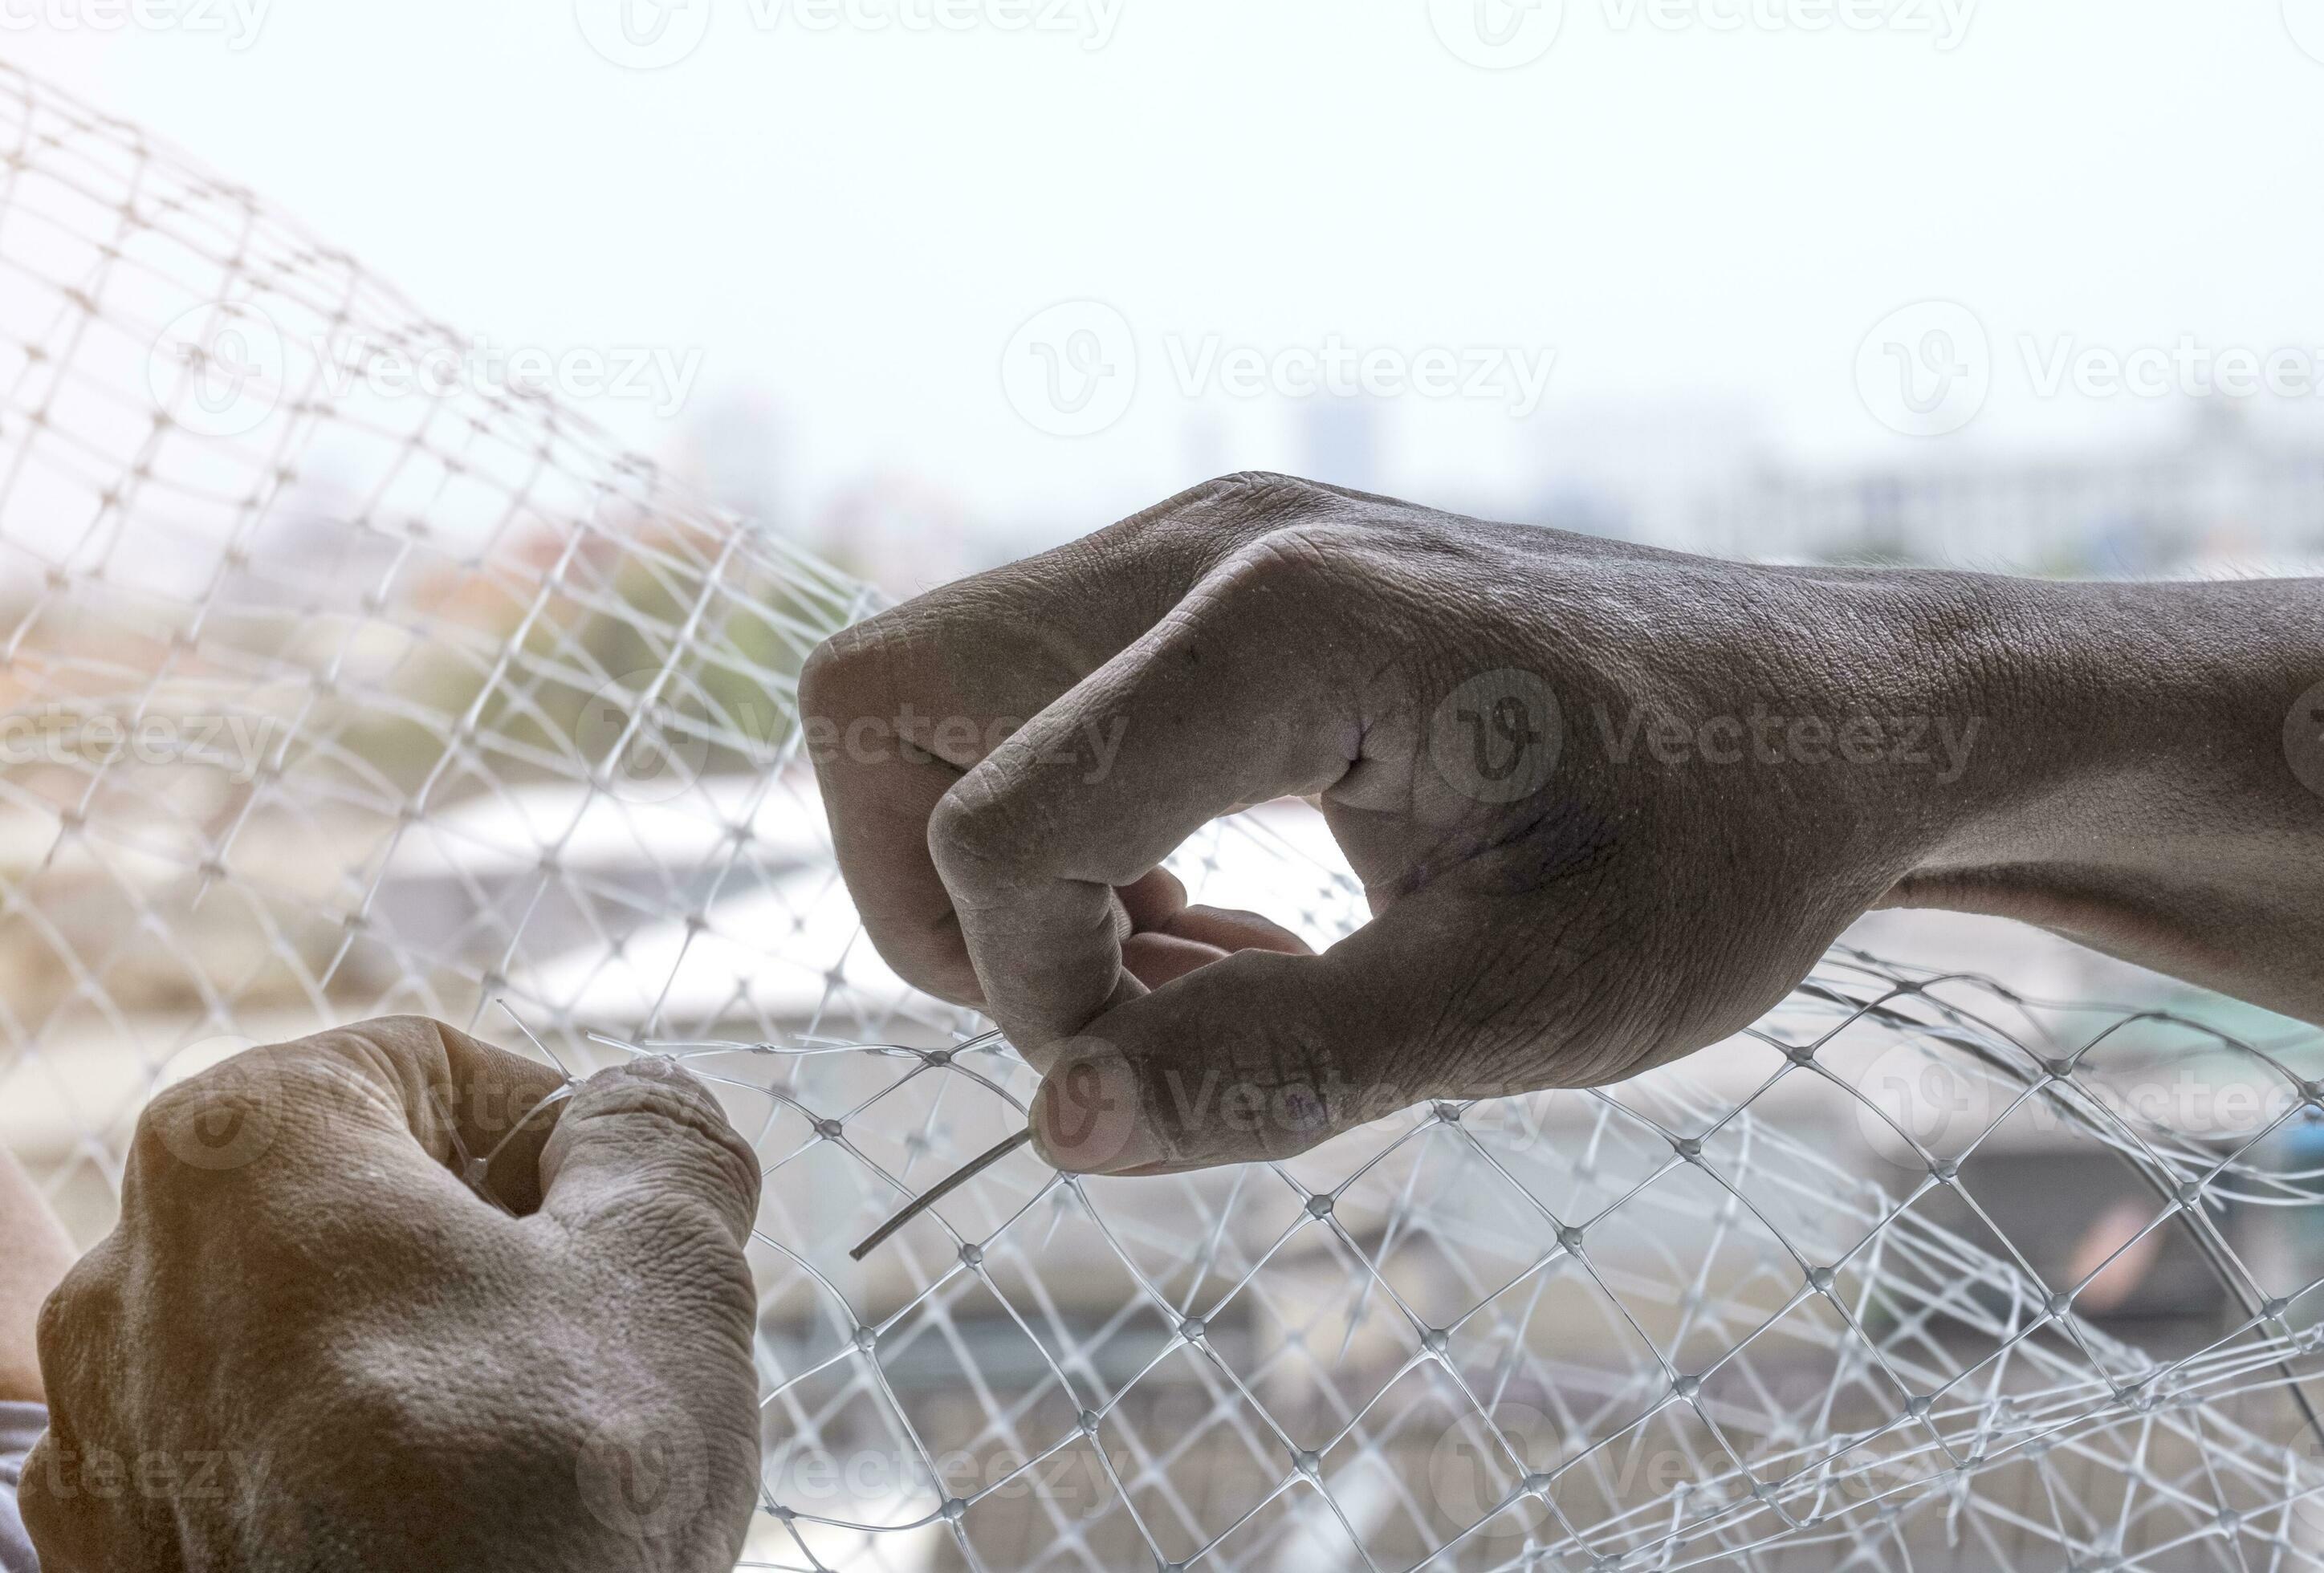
2144 783
35 1255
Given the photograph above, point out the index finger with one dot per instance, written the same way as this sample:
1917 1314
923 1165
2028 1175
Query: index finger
388 1091
1250 691
899 708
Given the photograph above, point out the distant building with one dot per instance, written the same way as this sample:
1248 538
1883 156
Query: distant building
2223 493
1635 469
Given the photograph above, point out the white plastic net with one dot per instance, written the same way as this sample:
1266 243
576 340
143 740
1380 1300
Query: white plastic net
324 701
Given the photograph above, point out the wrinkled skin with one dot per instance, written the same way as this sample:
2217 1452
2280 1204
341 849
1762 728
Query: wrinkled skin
1545 757
309 1345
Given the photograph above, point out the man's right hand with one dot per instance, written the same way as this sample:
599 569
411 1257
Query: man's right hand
1609 803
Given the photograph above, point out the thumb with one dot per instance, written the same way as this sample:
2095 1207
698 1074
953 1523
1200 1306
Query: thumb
1253 1058
642 1148
1261 1055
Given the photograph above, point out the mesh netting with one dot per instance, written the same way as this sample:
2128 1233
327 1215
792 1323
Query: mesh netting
325 701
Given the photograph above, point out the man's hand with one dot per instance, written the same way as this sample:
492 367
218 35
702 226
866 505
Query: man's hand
310 1344
1609 803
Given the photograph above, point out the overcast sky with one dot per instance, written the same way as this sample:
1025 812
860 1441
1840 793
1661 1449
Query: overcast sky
854 223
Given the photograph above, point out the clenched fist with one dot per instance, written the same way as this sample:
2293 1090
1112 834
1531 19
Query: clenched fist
311 1343
1609 803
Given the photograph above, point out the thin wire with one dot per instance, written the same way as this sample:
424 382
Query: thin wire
940 1190
502 1000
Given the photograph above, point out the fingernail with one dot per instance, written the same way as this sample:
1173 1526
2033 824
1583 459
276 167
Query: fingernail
1088 1118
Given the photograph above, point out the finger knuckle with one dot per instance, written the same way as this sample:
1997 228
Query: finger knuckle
1276 573
927 956
171 1118
841 674
401 1040
680 1116
1215 517
1263 495
1295 551
385 1030
976 831
681 1240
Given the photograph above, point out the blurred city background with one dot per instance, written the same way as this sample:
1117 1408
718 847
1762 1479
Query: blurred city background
835 236
2013 288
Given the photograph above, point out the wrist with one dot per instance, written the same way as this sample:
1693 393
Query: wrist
2140 784
2121 719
